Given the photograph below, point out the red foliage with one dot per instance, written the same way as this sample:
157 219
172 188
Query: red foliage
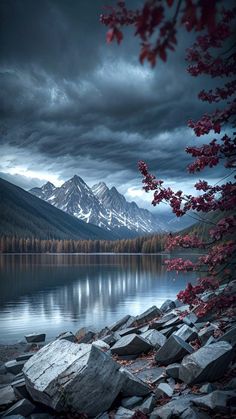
213 54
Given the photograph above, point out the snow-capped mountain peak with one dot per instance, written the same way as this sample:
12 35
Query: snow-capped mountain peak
99 205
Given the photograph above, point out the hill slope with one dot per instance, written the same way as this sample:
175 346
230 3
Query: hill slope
25 215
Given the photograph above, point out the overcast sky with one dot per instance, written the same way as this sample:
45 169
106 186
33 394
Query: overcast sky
71 104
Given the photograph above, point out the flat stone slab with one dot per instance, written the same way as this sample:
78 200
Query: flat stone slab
132 344
35 337
173 350
62 370
7 396
132 385
147 316
14 367
208 363
145 371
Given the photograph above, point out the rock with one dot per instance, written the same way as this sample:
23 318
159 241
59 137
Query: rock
144 329
7 396
217 400
41 416
123 413
145 371
173 350
130 402
168 331
207 388
173 322
167 305
210 340
111 338
15 417
231 385
186 333
14 367
206 364
229 336
128 331
154 338
160 324
172 370
130 345
104 415
60 371
21 391
206 332
190 319
24 407
117 325
68 336
101 345
147 316
193 413
132 385
174 408
35 337
85 334
164 390
6 378
148 405
25 356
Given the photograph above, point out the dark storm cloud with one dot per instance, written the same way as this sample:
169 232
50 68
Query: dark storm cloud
71 104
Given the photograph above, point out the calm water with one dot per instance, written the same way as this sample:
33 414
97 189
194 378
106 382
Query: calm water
56 293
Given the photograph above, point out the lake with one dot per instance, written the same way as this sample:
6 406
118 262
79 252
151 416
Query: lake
53 293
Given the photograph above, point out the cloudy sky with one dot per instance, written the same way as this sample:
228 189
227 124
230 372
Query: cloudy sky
71 104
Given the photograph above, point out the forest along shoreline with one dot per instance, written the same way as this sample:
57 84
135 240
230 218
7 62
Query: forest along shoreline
164 362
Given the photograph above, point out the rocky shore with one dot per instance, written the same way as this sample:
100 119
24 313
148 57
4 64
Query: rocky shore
164 363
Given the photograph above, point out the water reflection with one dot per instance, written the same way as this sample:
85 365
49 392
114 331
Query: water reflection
54 293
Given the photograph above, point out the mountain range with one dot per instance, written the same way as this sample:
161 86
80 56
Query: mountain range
25 215
100 205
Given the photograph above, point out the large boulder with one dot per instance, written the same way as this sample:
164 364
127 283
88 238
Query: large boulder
147 316
130 345
167 305
64 375
117 325
155 338
186 333
209 363
174 349
217 400
132 385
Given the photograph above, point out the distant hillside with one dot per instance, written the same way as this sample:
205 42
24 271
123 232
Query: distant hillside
25 215
208 221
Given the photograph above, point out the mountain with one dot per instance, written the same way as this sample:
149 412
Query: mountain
25 215
104 207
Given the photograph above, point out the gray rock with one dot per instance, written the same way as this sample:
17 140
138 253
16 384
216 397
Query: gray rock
160 324
186 333
16 417
123 413
131 345
117 325
41 416
147 316
168 331
21 391
217 400
193 413
190 319
172 370
154 338
14 367
167 305
6 378
207 388
210 340
132 385
130 402
101 345
104 415
68 336
85 334
128 331
24 407
148 405
111 338
144 329
229 336
206 332
164 390
145 371
174 408
35 337
206 364
25 356
231 385
7 396
173 322
173 350
61 370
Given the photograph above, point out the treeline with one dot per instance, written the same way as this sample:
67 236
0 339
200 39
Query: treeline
147 244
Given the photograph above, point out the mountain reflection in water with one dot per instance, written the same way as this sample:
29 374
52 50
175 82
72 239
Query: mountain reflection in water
55 293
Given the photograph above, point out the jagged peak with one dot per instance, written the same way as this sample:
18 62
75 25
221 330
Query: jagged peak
48 185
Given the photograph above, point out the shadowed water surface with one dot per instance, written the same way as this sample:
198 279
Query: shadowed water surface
56 293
